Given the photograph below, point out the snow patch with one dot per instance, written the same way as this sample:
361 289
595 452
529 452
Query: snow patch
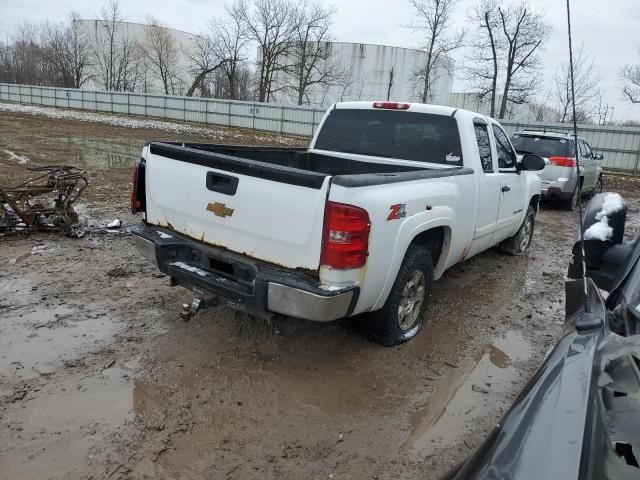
190 268
612 203
22 159
601 230
163 235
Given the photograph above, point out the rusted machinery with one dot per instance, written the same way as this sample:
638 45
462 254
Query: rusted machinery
44 201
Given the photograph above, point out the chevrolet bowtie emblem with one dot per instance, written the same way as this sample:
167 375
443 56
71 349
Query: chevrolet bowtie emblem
220 209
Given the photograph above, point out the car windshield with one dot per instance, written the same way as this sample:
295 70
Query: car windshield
541 145
402 135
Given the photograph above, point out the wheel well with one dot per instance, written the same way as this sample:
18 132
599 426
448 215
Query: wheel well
535 202
433 240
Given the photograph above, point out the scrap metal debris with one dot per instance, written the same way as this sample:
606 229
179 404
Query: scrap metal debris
44 201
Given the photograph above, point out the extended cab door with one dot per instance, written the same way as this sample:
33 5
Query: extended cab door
511 208
489 186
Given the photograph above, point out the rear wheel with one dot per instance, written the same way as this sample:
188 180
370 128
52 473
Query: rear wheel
572 203
520 243
402 316
599 186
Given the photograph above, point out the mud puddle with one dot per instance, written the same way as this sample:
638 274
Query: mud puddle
66 426
31 342
471 391
103 153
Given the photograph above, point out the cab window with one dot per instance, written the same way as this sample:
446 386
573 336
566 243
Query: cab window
583 150
484 146
506 155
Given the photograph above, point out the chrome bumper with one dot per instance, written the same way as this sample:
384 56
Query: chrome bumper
146 247
294 302
256 287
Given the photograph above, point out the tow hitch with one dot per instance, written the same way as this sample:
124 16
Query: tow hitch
197 304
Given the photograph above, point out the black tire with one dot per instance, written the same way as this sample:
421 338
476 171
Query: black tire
571 204
385 325
599 186
520 243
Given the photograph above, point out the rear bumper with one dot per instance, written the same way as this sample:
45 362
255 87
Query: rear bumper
558 189
241 282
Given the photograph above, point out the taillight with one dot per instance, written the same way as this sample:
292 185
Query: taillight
563 161
345 239
391 105
137 199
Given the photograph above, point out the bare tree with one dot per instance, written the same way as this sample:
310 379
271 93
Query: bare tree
78 53
160 49
604 111
506 52
24 57
114 52
586 87
310 53
229 46
540 108
525 32
434 18
223 46
67 51
486 46
630 75
272 24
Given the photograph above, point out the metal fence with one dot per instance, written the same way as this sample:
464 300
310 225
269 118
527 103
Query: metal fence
288 120
619 145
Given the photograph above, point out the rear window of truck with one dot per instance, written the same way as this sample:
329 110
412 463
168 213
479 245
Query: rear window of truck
543 146
401 135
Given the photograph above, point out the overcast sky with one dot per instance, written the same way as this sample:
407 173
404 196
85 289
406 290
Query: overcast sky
610 30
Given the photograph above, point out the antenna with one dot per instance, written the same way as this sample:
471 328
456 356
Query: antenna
587 306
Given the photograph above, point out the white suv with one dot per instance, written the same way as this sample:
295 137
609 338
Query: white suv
559 177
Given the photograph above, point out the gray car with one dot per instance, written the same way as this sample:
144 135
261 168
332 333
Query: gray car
559 177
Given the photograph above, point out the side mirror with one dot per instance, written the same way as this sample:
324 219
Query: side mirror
532 162
598 156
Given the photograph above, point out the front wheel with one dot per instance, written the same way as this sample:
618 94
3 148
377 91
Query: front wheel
402 316
520 243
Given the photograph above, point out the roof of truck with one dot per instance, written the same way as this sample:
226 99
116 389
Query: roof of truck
413 107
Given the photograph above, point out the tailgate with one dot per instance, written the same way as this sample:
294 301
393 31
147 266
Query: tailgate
265 211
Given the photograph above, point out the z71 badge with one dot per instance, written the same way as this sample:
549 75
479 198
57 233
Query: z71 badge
397 211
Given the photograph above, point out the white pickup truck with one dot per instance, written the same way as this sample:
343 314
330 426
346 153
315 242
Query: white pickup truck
388 196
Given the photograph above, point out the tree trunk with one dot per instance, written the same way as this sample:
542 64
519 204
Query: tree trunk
507 86
494 54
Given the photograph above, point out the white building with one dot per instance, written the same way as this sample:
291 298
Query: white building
375 72
142 75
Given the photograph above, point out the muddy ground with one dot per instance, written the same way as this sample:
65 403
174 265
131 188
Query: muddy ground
99 379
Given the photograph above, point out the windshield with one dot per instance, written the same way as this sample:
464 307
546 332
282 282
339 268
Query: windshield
402 135
543 146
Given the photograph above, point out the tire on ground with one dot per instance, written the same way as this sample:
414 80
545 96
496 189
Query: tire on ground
384 325
519 244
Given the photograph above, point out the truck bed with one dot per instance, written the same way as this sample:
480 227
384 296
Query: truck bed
266 203
295 158
297 166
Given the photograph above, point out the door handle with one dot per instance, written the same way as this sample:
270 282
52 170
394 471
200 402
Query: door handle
217 182
506 188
